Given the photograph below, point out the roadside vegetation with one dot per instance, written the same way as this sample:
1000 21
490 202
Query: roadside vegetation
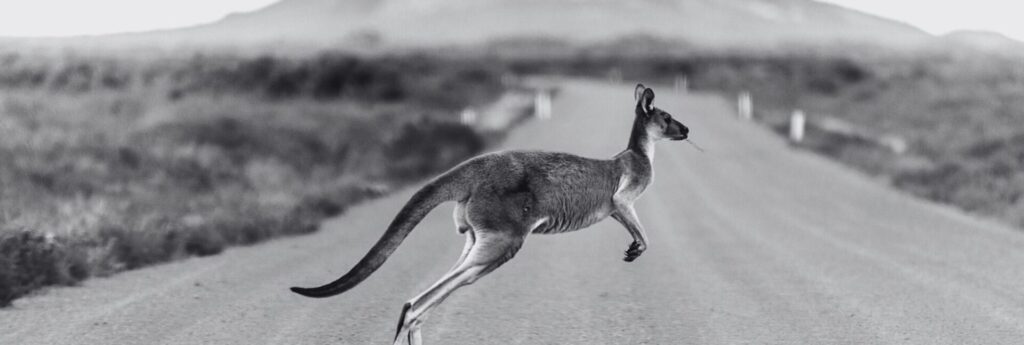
946 127
110 164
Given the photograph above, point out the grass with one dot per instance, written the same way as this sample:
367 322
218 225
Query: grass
960 116
112 165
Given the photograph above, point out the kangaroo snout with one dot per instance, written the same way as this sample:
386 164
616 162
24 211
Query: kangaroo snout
678 132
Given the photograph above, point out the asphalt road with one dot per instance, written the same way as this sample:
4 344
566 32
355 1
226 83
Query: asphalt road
751 243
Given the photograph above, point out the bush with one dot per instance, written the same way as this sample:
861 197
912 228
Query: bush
425 147
29 261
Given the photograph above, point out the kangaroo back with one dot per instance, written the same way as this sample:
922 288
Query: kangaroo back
444 188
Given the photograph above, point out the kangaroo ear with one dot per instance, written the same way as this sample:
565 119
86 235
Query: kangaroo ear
646 99
638 91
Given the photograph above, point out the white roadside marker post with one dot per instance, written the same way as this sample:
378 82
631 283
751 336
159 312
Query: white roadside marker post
796 126
542 105
615 76
745 106
682 84
468 116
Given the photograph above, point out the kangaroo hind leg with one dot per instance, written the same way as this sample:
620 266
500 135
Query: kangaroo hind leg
463 227
488 252
470 240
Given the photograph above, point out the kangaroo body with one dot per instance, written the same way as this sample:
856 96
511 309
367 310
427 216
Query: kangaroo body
556 191
505 196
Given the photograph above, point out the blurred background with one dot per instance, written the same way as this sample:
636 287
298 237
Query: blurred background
134 133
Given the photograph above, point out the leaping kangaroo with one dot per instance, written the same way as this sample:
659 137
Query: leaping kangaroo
504 196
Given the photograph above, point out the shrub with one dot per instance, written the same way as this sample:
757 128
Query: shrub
29 261
425 147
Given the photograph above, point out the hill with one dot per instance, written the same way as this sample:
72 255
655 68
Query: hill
984 41
417 23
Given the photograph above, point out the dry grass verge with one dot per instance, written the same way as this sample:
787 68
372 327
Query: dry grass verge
107 168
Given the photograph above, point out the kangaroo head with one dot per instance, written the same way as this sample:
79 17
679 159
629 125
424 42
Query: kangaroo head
658 123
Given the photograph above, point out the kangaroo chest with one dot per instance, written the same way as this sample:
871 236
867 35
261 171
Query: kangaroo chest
637 174
631 186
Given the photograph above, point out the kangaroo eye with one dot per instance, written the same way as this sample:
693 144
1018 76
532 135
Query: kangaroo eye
668 117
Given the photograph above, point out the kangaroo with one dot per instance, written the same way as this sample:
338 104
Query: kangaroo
502 197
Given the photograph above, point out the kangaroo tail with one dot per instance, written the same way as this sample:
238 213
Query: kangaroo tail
422 202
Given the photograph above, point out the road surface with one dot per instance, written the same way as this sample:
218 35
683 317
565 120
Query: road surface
751 243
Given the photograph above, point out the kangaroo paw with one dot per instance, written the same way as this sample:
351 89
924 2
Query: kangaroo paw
634 251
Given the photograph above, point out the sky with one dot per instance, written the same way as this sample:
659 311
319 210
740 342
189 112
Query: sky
92 17
942 16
